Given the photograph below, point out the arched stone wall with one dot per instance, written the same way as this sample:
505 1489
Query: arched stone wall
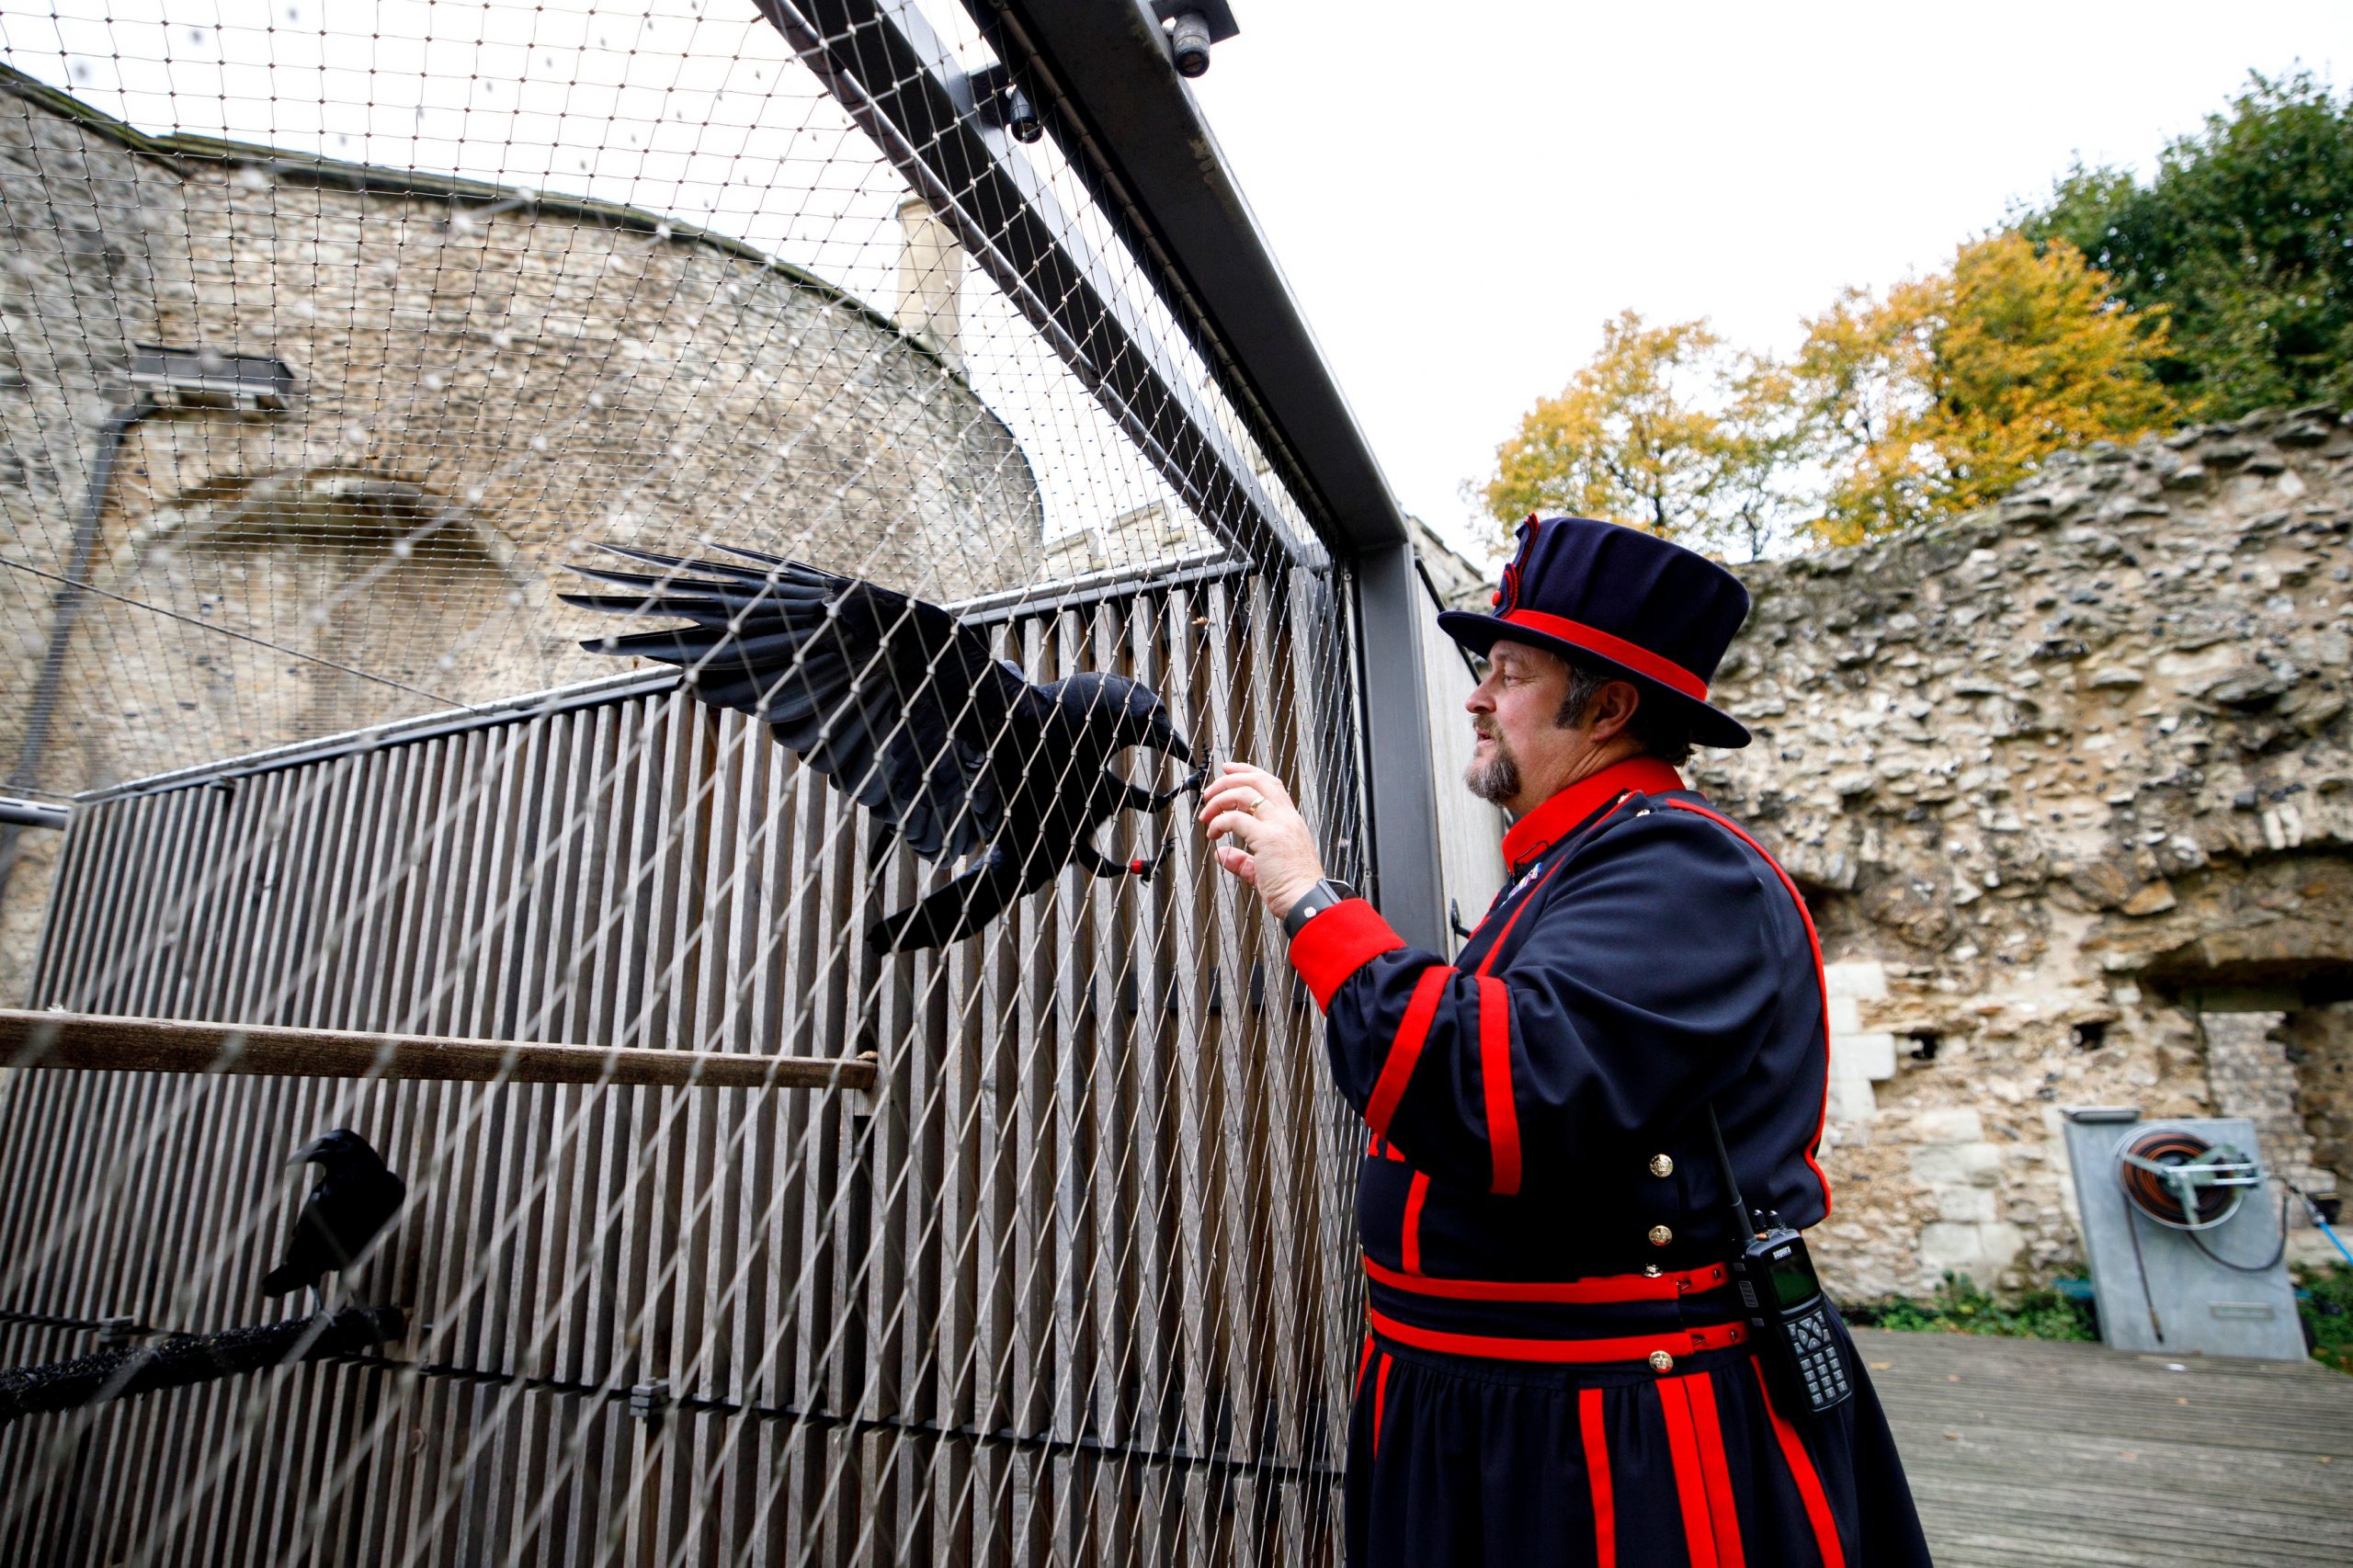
531 376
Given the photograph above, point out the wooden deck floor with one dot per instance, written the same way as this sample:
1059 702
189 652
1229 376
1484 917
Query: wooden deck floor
2023 1452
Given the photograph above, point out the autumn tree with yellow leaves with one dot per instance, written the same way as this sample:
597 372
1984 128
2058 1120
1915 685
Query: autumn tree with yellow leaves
1654 432
1942 396
1932 400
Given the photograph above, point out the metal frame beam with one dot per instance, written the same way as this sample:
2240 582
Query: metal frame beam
1100 75
17 813
905 89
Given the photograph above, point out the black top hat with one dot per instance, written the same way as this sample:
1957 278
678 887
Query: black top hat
1651 611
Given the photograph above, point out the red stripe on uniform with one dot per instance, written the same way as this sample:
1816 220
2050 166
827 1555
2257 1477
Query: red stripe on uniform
1820 980
1633 771
1380 1397
1406 1050
1599 1290
1801 1463
1409 1243
1690 1490
1597 1473
1722 1509
1364 1360
1578 1352
1495 1074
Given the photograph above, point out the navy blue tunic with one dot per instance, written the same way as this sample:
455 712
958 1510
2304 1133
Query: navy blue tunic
1541 1215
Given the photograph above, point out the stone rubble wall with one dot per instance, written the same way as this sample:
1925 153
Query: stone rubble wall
486 386
2058 777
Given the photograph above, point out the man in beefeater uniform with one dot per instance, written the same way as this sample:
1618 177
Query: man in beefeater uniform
1557 1371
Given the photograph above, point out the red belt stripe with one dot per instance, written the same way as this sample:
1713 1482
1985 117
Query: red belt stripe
1721 1510
1801 1471
1600 1289
1690 1490
1581 1352
1597 1473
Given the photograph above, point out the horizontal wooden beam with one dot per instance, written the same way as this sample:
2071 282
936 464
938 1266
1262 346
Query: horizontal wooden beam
92 1043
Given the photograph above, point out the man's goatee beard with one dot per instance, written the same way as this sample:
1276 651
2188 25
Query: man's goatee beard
1496 779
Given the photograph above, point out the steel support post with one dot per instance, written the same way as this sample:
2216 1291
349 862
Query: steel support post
1409 880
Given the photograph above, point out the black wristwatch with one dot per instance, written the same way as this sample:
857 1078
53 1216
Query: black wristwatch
1314 901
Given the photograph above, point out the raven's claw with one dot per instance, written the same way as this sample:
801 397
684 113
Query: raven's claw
1188 785
1144 870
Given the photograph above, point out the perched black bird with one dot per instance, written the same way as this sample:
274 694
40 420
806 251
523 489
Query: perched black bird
357 1196
903 707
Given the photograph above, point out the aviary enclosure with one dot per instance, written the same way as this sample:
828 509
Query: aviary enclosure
332 338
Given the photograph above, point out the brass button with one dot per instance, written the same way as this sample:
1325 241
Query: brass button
1662 1165
1660 1361
1661 1236
1650 1269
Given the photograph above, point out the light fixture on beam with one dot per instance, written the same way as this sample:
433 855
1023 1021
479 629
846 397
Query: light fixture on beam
998 100
1192 25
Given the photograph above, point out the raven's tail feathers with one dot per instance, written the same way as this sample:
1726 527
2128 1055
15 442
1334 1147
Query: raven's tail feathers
284 1277
957 910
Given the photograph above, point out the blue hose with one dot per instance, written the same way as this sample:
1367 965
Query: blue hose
2327 1231
2313 1211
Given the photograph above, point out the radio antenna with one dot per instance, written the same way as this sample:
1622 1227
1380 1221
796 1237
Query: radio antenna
1743 1224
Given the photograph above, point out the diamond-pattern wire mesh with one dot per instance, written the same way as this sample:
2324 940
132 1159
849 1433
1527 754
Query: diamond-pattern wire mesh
1065 1283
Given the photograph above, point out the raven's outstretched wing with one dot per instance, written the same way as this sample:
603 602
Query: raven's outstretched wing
897 702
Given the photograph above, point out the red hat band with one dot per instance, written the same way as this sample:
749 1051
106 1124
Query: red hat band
1593 640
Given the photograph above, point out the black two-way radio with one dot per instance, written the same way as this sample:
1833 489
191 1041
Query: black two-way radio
1788 1319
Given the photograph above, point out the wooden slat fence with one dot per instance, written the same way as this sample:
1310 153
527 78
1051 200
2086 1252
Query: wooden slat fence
1071 1284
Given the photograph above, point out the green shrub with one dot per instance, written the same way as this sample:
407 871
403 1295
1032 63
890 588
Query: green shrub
1960 1307
2325 1297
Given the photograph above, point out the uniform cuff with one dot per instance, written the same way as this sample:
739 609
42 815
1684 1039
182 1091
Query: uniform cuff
1337 943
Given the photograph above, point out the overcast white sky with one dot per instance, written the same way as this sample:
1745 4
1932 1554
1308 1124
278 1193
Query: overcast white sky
1462 193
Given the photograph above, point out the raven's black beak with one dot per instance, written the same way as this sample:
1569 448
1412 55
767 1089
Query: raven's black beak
308 1152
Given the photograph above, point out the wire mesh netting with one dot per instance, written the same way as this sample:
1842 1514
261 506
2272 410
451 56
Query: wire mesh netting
331 340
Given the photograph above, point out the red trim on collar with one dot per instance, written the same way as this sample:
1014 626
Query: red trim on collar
1593 640
1557 818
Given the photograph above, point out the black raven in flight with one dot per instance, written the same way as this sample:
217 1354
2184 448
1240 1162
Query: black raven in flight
356 1197
905 708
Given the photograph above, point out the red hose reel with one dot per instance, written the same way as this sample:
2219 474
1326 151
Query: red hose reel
2182 1181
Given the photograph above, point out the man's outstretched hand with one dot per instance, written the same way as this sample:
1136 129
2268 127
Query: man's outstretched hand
1276 853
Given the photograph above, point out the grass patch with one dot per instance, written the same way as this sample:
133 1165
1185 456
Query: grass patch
1960 1307
2324 1298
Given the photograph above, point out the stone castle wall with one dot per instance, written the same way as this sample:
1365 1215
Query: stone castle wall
2068 785
485 385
